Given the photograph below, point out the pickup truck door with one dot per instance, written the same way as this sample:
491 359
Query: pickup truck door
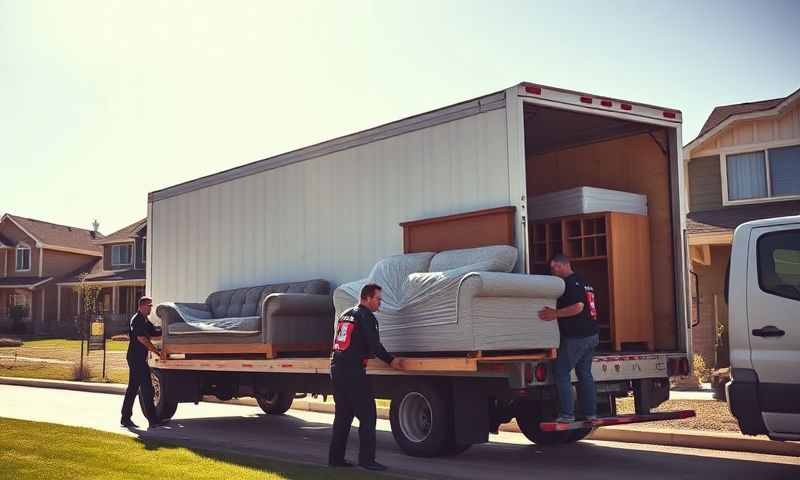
773 312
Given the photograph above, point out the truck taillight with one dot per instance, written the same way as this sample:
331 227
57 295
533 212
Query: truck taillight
541 372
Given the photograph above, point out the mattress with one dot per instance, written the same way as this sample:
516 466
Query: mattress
580 200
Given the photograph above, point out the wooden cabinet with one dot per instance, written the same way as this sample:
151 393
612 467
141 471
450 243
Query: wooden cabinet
612 252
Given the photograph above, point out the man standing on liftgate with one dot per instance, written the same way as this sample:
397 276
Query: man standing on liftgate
356 341
576 315
139 383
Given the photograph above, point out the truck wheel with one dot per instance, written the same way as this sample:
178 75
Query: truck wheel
275 403
421 420
529 415
165 409
452 448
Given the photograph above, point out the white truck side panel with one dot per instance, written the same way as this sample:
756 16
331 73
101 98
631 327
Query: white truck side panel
328 217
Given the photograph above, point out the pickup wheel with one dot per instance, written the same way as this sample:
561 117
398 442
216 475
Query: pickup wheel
165 409
422 425
275 403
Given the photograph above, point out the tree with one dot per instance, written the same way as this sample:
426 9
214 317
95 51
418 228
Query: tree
89 294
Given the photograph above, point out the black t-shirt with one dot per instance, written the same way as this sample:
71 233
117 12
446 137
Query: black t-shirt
353 347
140 326
580 325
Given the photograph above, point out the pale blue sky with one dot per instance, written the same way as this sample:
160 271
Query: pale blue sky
102 101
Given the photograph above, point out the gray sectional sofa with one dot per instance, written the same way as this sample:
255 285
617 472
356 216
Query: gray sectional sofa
285 317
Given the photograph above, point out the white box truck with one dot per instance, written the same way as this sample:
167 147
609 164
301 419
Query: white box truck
281 219
763 292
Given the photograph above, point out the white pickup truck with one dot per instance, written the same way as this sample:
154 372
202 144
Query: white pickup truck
764 312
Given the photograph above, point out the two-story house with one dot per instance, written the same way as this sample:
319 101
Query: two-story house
744 165
34 255
119 275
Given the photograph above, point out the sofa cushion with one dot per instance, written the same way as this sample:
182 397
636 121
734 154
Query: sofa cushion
495 258
240 325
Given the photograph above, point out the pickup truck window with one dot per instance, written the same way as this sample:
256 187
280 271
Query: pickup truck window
779 263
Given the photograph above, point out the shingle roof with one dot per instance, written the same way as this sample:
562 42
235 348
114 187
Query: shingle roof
723 112
59 235
727 219
22 281
124 234
108 276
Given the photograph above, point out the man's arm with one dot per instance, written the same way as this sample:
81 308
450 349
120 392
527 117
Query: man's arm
374 344
548 313
147 343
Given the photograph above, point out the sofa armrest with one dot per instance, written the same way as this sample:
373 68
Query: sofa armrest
170 312
296 304
496 284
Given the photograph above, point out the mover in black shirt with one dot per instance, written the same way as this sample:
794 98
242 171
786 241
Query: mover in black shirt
576 314
356 340
140 331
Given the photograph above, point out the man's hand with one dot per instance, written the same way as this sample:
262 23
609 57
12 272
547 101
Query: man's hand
396 364
548 314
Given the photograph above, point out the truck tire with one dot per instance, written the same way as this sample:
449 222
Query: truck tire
422 422
275 403
165 409
529 414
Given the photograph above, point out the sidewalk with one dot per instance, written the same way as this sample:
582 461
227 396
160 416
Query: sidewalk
628 433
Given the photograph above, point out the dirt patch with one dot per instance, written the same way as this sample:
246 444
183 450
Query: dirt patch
711 415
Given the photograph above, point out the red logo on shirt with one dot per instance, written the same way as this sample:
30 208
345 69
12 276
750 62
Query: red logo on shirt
590 303
344 333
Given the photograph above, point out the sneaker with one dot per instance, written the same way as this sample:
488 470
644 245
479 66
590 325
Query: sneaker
374 466
565 419
128 423
342 463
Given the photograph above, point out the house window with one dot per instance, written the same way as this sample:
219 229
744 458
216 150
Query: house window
763 174
141 251
121 255
19 300
23 258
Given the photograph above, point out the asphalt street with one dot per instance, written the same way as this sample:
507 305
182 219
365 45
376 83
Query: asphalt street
303 437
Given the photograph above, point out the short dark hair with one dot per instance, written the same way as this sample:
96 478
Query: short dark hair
145 299
559 258
368 290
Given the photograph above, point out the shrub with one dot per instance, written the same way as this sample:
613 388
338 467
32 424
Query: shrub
81 372
700 370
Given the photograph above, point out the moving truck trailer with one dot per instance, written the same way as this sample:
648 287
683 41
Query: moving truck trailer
282 219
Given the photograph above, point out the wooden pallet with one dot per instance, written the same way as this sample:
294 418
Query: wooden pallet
266 350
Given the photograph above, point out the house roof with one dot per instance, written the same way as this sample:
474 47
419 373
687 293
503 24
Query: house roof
726 219
108 276
58 237
23 282
124 234
724 112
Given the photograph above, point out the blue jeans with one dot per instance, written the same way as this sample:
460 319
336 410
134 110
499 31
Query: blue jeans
576 353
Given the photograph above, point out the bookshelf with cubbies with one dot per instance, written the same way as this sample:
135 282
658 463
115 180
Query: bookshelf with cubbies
611 251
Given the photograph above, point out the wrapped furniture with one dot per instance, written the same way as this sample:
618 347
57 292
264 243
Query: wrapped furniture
269 319
459 301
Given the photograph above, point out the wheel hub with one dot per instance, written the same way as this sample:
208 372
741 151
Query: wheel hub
416 417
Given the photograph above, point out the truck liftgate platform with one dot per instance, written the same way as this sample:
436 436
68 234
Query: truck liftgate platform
617 420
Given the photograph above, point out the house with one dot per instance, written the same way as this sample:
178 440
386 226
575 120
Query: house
744 165
33 255
119 275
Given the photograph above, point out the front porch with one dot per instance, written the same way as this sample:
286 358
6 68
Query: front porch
116 302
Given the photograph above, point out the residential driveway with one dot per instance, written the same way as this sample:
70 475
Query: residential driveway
303 437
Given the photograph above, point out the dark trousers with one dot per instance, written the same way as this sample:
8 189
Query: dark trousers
354 398
139 383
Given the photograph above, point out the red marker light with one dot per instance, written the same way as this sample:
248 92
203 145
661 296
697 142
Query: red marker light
541 372
586 99
533 90
625 106
670 114
606 103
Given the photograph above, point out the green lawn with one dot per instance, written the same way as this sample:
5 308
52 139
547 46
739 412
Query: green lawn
73 345
65 350
36 451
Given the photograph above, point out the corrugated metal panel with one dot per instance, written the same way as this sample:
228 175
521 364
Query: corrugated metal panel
331 216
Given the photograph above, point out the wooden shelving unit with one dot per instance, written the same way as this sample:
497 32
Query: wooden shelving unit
612 252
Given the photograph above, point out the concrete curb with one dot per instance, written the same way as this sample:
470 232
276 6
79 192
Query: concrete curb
666 437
